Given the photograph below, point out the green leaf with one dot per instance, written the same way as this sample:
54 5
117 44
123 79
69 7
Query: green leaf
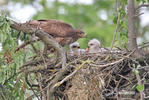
115 19
138 1
124 1
133 65
140 88
136 71
1 24
138 66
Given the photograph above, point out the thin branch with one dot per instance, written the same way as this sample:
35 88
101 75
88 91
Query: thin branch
142 5
2 95
26 78
49 40
72 74
138 15
46 38
115 62
115 33
40 85
139 83
109 64
24 44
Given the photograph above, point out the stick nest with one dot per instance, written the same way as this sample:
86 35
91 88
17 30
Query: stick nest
100 76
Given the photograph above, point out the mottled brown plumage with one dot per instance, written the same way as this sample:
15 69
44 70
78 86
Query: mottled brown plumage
54 27
63 33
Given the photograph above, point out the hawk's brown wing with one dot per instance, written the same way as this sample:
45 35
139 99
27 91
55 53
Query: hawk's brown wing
65 41
53 27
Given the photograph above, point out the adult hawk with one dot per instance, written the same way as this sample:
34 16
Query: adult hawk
62 32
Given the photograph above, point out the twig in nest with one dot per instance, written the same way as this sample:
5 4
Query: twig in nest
44 61
24 44
109 64
26 78
125 78
72 74
140 84
40 85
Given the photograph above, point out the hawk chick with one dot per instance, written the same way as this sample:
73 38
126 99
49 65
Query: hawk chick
94 46
75 49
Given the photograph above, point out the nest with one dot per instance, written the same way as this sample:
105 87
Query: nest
110 75
102 76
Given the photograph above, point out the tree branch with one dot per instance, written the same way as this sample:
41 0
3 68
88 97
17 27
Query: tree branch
132 43
115 33
47 39
72 74
142 5
139 83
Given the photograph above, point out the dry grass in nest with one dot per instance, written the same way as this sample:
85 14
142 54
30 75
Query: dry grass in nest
86 85
98 76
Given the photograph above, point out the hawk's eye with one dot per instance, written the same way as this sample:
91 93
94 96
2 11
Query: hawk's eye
80 32
74 46
91 44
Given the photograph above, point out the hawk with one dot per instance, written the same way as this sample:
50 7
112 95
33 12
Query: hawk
62 32
94 46
75 49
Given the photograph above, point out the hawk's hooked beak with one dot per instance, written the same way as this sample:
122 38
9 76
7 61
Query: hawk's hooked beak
87 49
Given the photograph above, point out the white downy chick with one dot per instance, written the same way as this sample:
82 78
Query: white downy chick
75 48
94 46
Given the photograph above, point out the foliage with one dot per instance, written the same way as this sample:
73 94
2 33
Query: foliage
140 88
122 36
10 62
86 17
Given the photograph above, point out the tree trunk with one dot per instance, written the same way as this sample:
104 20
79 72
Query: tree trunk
132 43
